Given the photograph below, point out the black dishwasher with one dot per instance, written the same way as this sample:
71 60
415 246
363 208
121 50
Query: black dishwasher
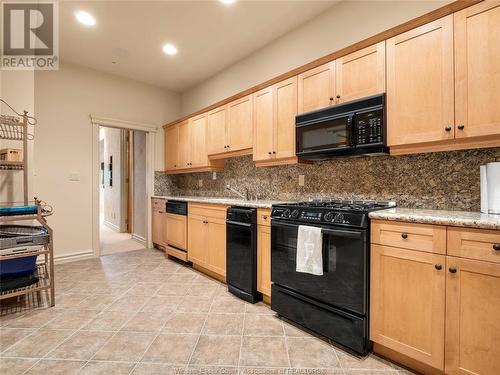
241 253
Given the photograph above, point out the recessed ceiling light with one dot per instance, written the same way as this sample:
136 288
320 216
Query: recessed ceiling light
170 49
227 2
85 18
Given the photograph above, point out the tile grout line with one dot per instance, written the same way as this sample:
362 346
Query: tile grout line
241 340
286 343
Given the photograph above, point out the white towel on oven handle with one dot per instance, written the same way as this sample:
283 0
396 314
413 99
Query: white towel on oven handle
310 250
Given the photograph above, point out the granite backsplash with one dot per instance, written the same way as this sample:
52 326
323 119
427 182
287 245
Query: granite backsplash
441 180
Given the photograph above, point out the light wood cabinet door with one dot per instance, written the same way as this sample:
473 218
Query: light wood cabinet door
285 110
184 145
420 91
472 313
263 123
157 226
175 231
316 88
197 240
477 70
408 303
216 131
198 146
216 244
264 259
171 147
361 73
240 124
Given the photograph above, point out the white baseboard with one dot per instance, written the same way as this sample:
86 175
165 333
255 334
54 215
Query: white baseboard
111 226
73 257
139 239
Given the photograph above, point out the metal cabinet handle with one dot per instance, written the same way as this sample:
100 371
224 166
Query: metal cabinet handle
438 266
496 247
264 217
448 128
338 96
331 98
269 152
461 127
404 235
453 269
274 152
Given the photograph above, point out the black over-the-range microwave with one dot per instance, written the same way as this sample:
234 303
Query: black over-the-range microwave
352 128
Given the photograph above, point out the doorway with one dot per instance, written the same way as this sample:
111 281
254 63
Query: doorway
123 182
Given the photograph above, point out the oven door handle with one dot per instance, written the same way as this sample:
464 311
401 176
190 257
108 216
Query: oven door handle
336 232
237 223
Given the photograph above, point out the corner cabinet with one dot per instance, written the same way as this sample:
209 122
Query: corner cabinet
435 300
274 112
186 147
230 129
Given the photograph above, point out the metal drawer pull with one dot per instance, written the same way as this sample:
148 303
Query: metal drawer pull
438 266
496 247
404 235
453 269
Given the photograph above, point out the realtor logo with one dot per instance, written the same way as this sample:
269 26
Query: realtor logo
30 35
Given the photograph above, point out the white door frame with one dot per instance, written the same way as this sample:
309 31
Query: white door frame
150 131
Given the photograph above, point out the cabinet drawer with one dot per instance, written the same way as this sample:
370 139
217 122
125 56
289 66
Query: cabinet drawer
472 243
422 237
158 204
215 211
264 216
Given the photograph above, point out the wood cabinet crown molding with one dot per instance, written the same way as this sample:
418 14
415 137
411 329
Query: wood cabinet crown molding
416 22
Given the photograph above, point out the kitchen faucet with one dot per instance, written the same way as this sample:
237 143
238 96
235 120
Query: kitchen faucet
241 195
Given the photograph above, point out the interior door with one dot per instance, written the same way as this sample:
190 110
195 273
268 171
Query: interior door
420 94
263 117
477 70
171 147
408 302
316 88
216 131
285 103
472 312
184 145
240 124
361 73
198 151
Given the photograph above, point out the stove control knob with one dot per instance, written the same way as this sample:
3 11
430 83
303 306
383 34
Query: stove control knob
295 214
328 216
339 218
286 213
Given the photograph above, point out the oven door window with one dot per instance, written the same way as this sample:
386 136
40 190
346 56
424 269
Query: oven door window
325 135
343 283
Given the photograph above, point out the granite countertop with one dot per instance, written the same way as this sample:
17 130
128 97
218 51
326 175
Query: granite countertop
439 217
225 201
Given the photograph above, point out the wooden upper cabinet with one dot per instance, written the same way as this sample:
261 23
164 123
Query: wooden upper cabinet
171 147
285 104
216 131
420 90
361 73
198 147
472 312
239 134
263 116
184 146
477 70
408 303
316 88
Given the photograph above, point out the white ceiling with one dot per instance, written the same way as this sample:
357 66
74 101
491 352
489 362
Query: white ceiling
209 35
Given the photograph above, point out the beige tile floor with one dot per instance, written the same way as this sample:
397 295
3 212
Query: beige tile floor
140 313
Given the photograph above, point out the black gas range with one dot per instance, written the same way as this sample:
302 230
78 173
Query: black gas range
334 304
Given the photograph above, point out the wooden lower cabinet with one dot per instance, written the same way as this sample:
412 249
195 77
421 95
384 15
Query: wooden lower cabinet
175 231
158 221
264 252
472 317
207 237
408 303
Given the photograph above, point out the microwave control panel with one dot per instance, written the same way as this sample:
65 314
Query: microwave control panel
369 127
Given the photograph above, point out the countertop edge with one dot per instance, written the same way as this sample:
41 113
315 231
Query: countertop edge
221 201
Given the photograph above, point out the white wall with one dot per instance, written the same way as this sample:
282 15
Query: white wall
64 100
341 25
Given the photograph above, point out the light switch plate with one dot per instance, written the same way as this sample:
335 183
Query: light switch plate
301 180
74 176
214 176
200 183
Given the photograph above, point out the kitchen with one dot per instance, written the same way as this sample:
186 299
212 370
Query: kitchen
340 216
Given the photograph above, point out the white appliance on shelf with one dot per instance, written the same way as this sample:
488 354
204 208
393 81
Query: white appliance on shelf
490 188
